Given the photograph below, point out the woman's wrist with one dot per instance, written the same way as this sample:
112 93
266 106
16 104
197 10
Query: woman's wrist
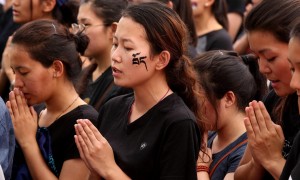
202 168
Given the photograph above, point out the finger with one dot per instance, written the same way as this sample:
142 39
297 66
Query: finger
249 129
19 101
259 117
90 134
265 114
13 104
8 105
79 147
279 132
252 119
84 149
82 133
33 114
96 132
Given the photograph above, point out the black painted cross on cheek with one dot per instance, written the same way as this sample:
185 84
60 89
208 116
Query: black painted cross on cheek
139 60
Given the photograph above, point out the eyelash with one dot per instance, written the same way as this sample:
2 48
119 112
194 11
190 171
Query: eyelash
271 59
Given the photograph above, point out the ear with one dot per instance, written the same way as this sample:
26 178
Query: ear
163 60
114 27
209 3
229 99
170 4
48 5
58 68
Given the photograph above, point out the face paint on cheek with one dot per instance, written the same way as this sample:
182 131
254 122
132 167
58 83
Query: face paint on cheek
138 60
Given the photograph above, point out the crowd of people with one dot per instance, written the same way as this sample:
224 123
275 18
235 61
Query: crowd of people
149 89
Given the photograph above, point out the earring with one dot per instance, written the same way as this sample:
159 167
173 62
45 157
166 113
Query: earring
54 75
206 4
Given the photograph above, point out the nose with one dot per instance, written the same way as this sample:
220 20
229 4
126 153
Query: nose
18 82
15 2
115 55
264 66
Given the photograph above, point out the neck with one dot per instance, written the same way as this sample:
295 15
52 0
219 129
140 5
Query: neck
206 23
233 129
103 62
148 95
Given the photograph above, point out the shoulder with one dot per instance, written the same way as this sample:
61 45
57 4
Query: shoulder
219 39
173 110
85 112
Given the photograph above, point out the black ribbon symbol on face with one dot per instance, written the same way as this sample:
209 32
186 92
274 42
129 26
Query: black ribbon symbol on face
139 60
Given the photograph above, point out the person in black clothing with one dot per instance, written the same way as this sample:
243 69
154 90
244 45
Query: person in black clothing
292 165
46 62
152 133
269 147
64 11
211 25
99 19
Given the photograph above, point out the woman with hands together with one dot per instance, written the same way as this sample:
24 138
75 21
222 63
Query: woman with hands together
46 62
152 133
269 41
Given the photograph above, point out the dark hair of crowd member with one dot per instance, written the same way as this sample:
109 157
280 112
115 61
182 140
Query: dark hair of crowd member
223 71
165 31
278 18
219 9
274 16
185 12
47 40
65 11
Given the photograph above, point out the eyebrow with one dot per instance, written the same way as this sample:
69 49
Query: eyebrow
124 39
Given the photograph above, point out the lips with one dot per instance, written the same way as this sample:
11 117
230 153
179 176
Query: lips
116 70
194 5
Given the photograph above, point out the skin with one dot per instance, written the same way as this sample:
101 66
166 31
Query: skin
99 48
227 119
204 19
149 86
265 139
273 60
36 84
22 12
294 46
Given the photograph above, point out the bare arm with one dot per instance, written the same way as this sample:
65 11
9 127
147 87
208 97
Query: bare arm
234 21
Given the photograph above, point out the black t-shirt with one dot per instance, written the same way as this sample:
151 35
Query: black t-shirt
292 165
236 6
102 89
214 40
162 144
290 120
62 143
62 133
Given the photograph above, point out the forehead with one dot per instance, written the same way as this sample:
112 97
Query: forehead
129 29
19 55
294 50
86 12
263 40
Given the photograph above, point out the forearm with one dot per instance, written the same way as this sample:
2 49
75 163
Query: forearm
249 171
115 174
202 175
35 162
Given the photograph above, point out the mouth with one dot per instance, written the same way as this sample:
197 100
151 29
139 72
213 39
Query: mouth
115 70
15 12
194 5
